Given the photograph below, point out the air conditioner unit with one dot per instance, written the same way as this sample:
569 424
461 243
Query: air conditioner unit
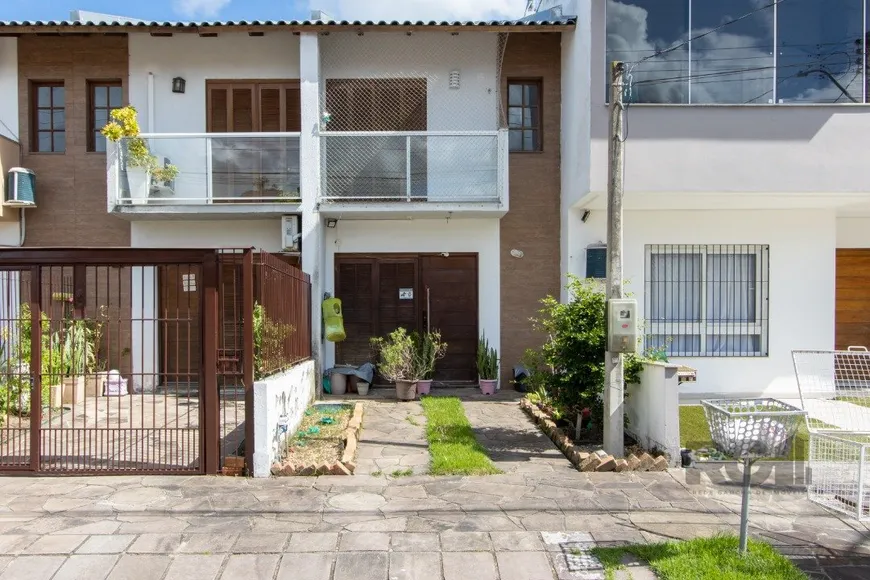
20 188
291 237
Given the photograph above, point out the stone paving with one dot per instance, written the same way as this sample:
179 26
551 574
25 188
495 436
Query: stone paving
525 524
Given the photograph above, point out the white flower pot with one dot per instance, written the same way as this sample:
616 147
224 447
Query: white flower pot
139 180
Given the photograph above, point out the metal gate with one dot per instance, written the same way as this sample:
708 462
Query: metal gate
108 361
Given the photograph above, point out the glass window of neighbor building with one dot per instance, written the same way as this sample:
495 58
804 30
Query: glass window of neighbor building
740 51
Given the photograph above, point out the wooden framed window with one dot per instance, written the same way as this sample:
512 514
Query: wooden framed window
48 117
524 115
103 96
253 107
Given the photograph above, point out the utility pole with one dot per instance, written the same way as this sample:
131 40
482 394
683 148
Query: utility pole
613 362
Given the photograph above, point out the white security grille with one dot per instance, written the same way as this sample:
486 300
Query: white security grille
412 117
835 391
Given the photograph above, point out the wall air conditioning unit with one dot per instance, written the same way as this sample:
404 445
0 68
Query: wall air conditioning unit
291 236
20 188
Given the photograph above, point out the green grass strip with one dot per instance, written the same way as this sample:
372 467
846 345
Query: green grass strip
452 446
713 558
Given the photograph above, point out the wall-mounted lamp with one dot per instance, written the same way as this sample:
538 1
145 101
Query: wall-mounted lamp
453 79
331 222
586 214
178 85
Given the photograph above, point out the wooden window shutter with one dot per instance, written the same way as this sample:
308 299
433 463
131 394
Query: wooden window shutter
243 109
271 112
293 106
218 110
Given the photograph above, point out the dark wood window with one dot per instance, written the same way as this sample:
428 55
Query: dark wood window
48 122
254 107
524 115
103 96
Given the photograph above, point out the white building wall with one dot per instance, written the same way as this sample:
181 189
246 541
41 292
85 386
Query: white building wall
9 88
424 236
802 285
155 61
260 234
853 232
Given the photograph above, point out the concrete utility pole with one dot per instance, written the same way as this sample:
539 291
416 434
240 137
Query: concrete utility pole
614 372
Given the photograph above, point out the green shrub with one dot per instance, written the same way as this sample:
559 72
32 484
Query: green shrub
567 374
396 356
428 348
487 360
269 338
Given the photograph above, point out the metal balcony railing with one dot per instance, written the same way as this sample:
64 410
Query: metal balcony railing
445 167
212 168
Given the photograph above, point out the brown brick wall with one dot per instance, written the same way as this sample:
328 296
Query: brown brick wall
532 224
71 187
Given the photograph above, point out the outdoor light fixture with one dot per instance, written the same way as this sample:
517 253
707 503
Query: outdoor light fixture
178 85
331 222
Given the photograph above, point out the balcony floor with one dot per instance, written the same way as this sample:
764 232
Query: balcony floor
217 211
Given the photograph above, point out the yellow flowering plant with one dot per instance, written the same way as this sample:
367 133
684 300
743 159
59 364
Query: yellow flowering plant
125 125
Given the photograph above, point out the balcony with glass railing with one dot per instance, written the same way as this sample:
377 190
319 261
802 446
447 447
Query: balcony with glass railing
204 173
417 170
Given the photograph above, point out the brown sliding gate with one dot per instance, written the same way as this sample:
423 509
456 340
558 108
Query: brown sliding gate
129 360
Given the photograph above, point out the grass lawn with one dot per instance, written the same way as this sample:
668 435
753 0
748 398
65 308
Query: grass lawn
705 559
452 445
695 433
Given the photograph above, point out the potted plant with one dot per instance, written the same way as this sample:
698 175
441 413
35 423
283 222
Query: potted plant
396 362
428 348
487 366
141 166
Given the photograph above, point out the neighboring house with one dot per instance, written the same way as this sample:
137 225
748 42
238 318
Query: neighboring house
416 204
747 207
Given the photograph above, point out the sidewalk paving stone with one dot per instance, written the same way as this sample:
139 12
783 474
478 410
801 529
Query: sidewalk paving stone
469 566
361 566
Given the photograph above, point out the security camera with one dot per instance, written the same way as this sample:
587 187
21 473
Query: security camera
445 254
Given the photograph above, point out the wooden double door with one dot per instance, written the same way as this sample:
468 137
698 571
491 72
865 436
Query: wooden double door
383 292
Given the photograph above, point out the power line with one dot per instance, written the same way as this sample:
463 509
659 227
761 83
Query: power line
707 33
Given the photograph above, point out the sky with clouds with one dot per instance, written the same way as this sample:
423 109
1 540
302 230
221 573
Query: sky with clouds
267 9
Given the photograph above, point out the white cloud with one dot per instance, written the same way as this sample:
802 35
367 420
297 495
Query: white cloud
199 8
420 9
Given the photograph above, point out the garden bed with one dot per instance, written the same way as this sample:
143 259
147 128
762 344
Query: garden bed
325 443
585 457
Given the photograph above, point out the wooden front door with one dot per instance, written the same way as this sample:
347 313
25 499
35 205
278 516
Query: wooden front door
450 285
383 292
180 333
853 299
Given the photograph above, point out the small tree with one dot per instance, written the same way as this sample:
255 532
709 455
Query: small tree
428 348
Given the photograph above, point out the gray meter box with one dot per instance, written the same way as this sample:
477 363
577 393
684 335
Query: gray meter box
622 325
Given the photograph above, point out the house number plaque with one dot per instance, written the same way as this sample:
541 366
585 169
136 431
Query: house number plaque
406 293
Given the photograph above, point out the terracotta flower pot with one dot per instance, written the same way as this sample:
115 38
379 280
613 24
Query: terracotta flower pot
424 387
487 387
406 390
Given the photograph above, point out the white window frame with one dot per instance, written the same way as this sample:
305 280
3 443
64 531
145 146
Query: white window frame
703 327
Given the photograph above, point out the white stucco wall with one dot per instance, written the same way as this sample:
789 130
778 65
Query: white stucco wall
424 236
653 410
853 232
197 59
260 234
9 88
279 407
575 131
802 285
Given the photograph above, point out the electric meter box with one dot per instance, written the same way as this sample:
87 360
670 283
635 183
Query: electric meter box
622 325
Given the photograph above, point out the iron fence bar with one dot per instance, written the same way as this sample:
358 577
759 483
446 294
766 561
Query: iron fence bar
102 256
408 167
35 377
208 390
248 354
